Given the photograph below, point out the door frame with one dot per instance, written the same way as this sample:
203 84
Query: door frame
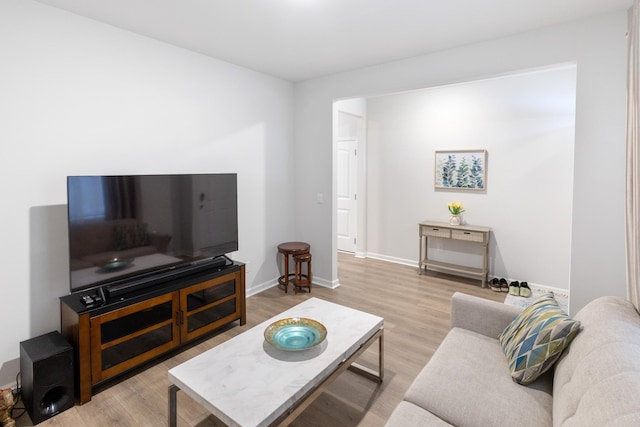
355 108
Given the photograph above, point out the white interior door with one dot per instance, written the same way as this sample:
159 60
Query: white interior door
346 192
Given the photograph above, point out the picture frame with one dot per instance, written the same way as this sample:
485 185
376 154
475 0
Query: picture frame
461 170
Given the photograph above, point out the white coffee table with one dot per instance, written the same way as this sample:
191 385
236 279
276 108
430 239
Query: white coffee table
247 382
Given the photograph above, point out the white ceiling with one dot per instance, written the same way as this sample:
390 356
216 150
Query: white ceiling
302 39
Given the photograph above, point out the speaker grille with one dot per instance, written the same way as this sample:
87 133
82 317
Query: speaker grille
53 370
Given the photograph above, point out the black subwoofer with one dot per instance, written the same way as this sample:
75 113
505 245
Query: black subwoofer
46 369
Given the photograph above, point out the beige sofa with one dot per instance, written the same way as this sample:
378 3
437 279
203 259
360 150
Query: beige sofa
596 381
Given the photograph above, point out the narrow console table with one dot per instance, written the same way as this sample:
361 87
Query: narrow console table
467 233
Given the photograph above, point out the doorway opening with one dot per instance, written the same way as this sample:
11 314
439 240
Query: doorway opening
349 136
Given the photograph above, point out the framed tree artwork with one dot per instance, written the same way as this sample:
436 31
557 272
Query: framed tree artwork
461 170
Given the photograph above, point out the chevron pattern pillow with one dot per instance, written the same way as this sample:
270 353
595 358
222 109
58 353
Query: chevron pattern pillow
534 340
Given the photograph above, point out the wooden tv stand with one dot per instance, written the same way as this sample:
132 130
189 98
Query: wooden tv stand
119 335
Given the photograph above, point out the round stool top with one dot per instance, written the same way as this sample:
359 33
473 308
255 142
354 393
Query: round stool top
302 257
293 247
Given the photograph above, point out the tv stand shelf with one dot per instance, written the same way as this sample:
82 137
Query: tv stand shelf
120 334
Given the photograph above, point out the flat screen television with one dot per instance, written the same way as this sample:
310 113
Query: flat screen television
125 228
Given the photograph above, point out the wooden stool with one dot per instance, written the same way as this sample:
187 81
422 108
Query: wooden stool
302 280
293 249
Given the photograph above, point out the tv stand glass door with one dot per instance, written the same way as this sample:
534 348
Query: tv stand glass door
124 338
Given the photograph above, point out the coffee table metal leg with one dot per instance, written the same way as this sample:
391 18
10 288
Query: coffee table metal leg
289 416
381 356
370 373
173 401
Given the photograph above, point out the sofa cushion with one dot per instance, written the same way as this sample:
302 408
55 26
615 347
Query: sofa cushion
597 380
467 382
536 337
407 414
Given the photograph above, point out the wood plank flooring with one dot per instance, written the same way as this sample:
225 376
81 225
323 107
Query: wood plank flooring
416 309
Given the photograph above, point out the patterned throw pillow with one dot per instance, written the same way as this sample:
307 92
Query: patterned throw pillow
534 340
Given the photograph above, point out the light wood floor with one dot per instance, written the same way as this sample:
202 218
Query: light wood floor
416 312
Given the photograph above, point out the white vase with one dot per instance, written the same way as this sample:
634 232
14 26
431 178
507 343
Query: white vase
455 220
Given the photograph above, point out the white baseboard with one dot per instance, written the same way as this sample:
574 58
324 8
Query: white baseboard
409 262
261 287
538 289
535 287
317 281
564 293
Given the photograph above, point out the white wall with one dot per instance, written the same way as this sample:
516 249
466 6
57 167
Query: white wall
526 124
597 46
79 97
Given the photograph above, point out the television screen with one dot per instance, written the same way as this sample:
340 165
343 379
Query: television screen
122 227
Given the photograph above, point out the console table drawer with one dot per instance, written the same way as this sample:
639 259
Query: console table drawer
470 236
436 232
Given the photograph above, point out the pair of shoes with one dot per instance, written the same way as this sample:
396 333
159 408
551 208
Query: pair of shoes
525 290
519 289
494 284
499 285
514 288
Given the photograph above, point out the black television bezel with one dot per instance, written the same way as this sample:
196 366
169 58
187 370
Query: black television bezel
164 273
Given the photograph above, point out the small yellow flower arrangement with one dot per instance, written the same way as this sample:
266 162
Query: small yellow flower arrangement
455 208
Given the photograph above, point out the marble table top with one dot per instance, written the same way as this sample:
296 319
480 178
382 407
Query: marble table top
247 382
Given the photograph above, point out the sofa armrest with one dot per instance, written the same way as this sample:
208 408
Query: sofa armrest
480 315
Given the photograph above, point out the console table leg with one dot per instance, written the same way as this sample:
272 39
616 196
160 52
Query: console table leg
420 257
381 356
173 401
485 264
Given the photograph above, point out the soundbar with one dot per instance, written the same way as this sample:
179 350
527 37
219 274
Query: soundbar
116 290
